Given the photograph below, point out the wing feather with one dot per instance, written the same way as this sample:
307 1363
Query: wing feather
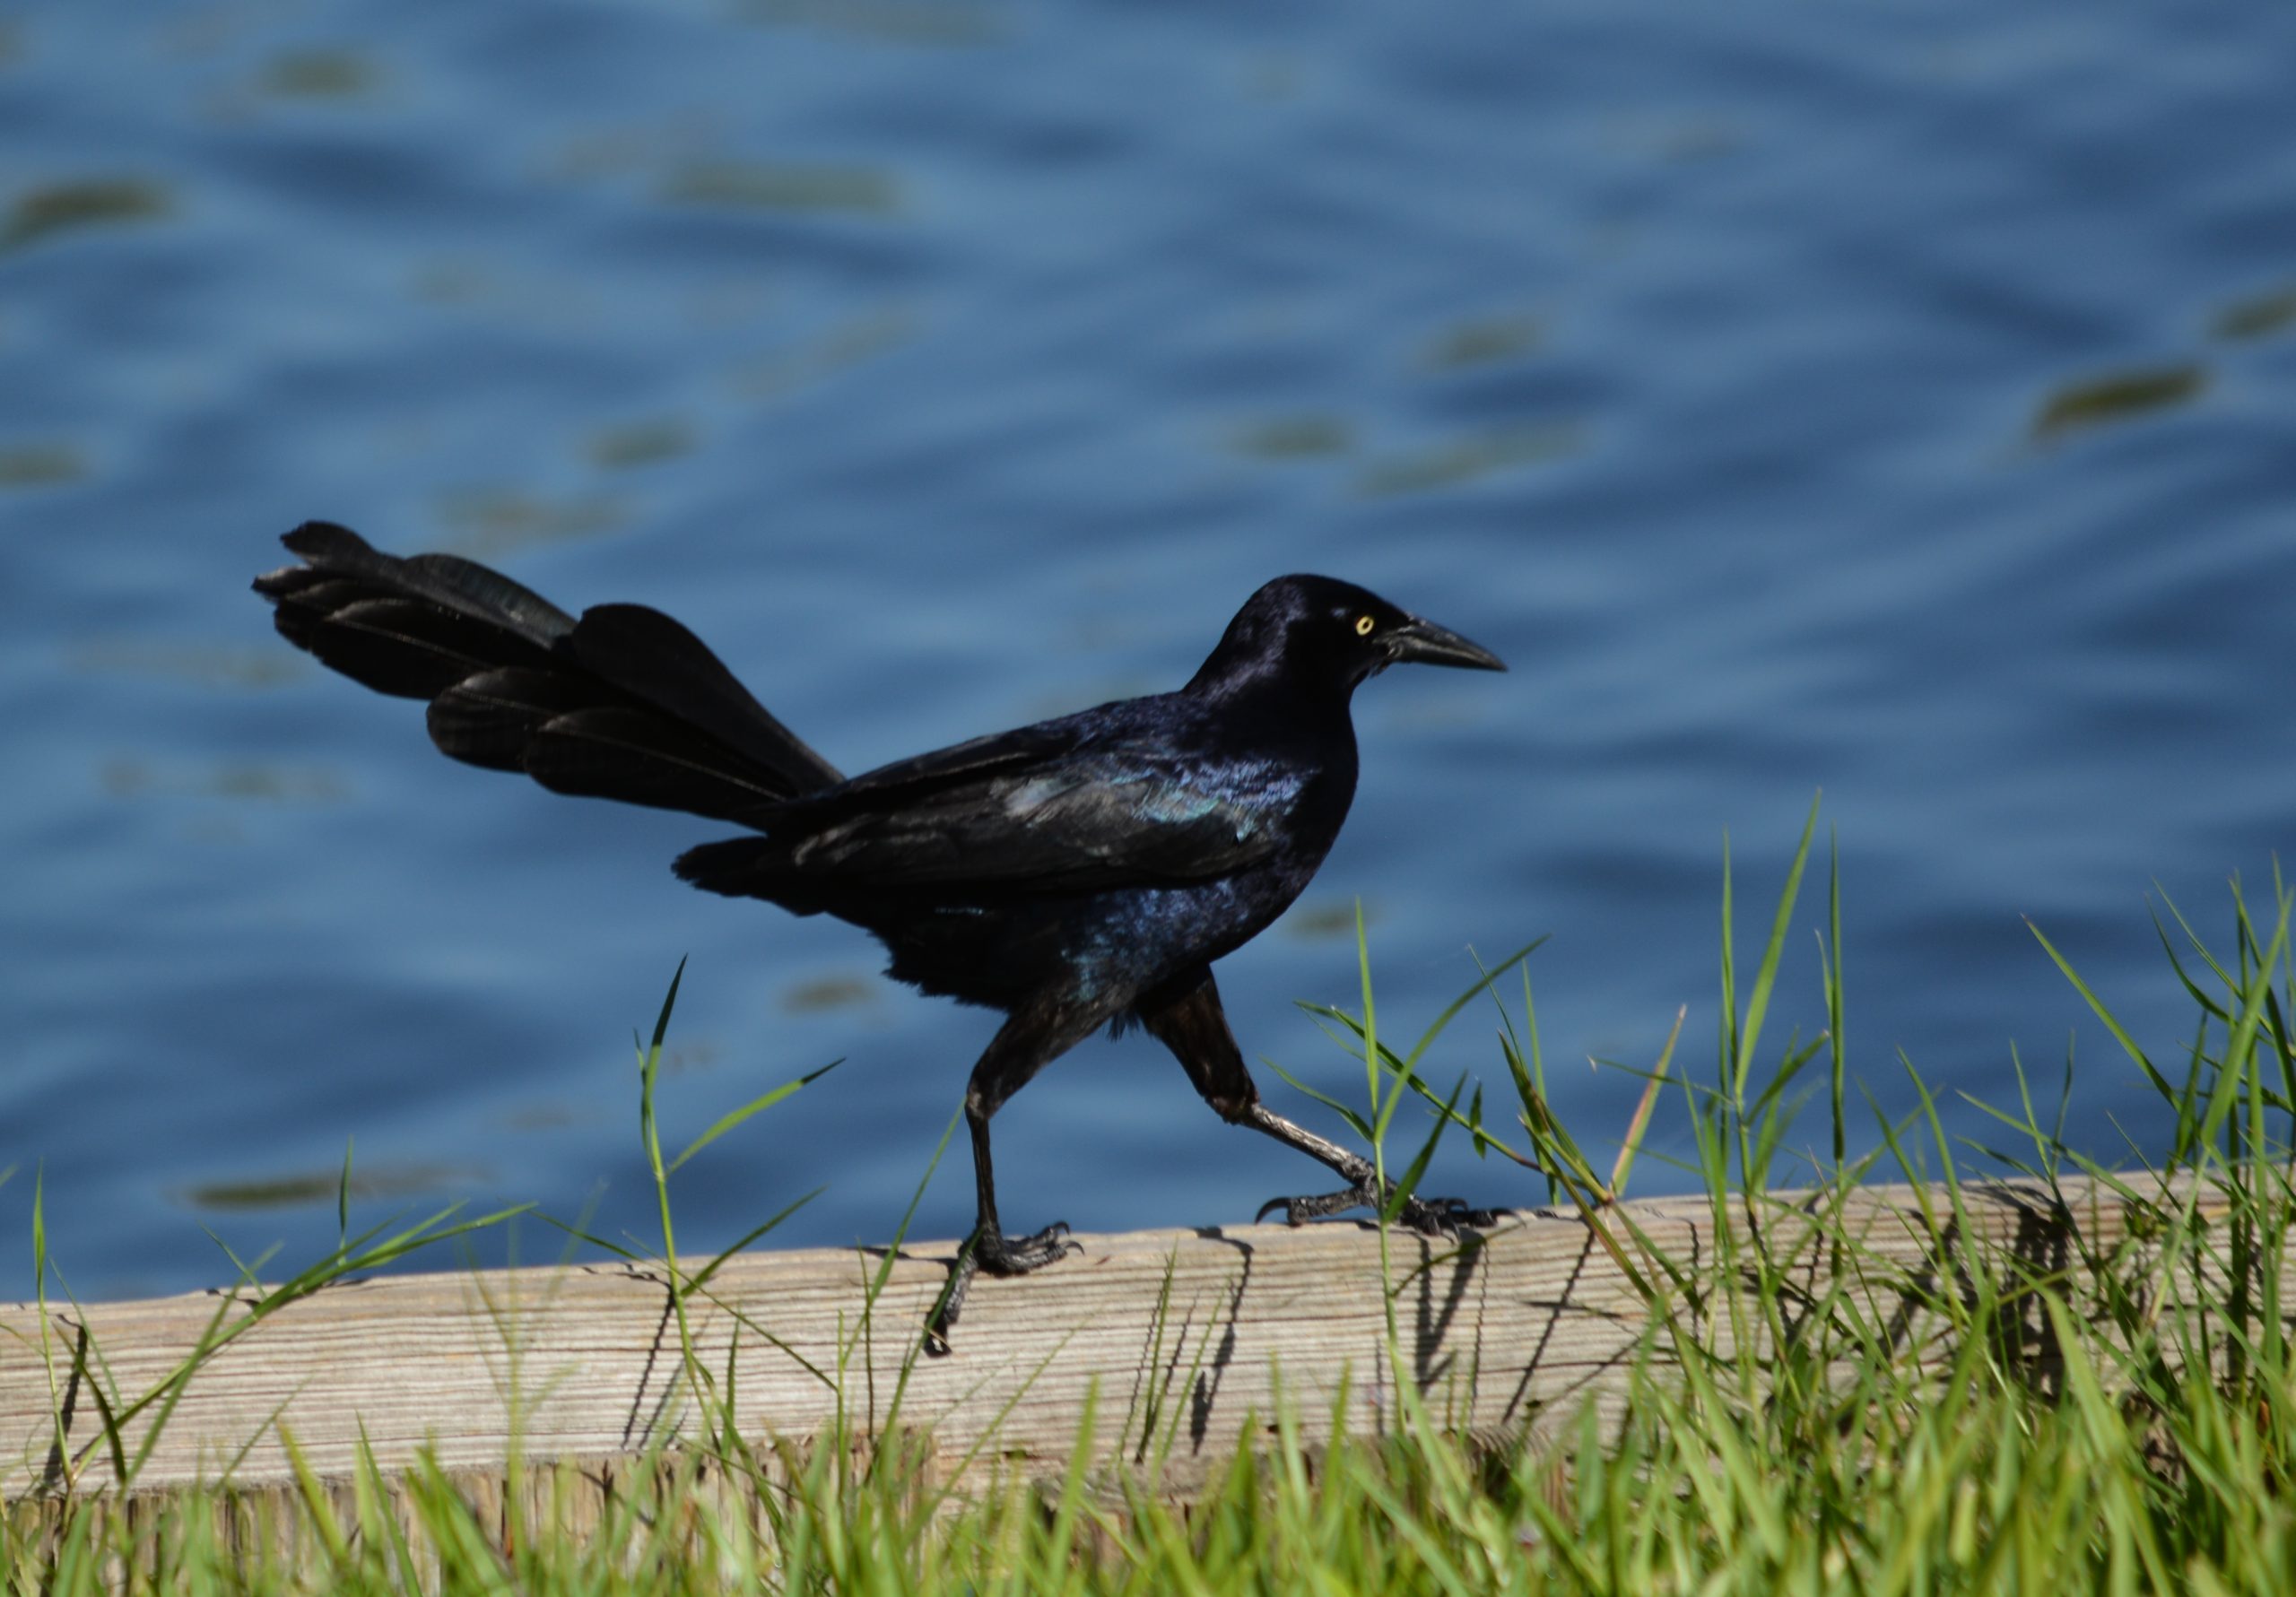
1092 821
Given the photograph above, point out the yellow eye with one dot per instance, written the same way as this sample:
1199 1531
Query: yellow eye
1364 624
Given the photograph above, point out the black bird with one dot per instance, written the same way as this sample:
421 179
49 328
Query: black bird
1081 872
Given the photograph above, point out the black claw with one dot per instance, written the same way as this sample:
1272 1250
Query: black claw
1018 1255
1300 1211
1447 1217
952 1303
1431 1216
998 1254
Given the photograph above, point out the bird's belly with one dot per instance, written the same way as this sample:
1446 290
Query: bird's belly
1098 951
1146 936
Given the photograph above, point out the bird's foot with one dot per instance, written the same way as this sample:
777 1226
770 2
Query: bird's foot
1429 1216
998 1254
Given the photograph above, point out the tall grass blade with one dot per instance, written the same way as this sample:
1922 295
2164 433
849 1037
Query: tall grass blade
1400 1191
2096 1006
1639 1125
734 1117
1766 973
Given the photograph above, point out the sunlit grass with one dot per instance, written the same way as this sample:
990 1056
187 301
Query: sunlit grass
1804 1416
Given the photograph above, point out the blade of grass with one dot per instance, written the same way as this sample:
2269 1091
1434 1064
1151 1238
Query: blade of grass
1766 973
1640 1123
734 1117
2097 1005
1356 1122
1399 1192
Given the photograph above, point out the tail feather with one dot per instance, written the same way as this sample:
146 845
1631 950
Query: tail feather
657 659
446 580
409 650
490 718
625 752
738 867
623 704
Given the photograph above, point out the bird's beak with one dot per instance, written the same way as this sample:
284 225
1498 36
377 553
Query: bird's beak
1430 645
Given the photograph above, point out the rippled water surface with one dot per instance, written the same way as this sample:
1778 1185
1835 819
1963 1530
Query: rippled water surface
1896 400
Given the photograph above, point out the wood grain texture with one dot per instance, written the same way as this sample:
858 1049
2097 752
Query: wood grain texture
1185 1335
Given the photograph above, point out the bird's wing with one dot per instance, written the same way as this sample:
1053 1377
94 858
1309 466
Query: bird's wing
1045 809
921 776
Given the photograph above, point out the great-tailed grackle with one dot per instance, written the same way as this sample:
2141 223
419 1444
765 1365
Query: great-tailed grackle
1081 872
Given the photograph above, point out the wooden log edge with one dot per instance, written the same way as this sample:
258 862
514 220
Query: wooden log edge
1184 1342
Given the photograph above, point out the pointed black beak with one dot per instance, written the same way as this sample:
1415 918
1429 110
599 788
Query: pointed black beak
1430 645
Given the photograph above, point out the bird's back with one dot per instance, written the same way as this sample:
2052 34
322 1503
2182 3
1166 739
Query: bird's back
1112 845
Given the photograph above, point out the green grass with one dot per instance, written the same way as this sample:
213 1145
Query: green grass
1804 1416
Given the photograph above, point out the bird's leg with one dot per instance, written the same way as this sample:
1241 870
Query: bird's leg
991 1249
1185 1016
1431 1216
1024 1046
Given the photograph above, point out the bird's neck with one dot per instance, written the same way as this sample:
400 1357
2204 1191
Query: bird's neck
1289 704
1250 663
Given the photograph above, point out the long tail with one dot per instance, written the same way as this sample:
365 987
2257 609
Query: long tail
623 704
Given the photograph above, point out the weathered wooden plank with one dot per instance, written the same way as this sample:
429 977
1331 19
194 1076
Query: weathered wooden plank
1184 1334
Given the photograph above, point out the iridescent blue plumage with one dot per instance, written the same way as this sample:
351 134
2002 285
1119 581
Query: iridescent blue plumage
1140 826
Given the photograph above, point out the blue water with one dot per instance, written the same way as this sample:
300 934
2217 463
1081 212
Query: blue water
1899 400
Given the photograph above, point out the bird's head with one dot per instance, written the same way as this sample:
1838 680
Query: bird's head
1324 630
